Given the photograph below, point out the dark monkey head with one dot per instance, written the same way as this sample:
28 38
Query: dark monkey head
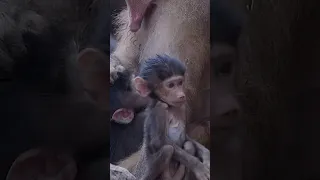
162 78
226 27
121 100
124 101
118 88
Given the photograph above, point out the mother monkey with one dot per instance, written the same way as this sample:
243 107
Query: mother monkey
178 28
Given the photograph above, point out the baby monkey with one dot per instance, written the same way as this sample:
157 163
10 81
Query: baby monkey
162 79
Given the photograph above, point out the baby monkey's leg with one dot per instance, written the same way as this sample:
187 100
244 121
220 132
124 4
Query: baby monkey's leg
189 147
181 173
201 171
158 162
202 152
177 176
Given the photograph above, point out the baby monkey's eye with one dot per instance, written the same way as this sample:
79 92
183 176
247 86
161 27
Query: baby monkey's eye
180 82
170 85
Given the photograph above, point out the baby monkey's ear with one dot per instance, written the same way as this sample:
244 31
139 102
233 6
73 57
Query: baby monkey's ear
141 86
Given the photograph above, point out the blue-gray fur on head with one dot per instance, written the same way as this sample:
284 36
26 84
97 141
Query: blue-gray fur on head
160 68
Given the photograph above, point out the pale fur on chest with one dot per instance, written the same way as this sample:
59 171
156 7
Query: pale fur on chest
176 131
176 125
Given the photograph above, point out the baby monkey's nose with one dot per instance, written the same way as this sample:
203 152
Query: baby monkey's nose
181 96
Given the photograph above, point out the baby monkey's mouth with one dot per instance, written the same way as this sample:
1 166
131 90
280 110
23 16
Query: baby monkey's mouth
178 103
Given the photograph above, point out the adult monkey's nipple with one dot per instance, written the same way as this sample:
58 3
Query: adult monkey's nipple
135 21
137 10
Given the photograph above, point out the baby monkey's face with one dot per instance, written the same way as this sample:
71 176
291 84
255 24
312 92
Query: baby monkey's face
171 91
